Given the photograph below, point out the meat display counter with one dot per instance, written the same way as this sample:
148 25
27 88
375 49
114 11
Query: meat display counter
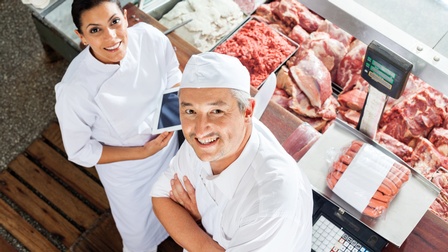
420 238
417 31
431 232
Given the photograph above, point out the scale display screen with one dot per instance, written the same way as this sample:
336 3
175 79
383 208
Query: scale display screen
385 70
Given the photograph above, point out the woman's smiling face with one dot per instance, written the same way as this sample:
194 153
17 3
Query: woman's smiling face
104 28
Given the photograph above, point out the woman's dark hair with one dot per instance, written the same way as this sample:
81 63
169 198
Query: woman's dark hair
80 6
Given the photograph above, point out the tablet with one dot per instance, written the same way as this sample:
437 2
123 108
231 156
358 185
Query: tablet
167 112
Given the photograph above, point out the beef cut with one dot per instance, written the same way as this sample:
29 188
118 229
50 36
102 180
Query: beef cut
415 116
440 205
426 159
439 137
393 145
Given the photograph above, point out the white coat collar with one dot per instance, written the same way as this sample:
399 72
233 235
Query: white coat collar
229 179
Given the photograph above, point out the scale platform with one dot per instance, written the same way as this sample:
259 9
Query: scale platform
406 209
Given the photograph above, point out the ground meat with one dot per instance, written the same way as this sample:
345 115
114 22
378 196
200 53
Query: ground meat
259 48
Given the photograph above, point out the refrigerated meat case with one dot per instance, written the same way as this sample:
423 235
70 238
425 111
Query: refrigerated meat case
424 43
416 30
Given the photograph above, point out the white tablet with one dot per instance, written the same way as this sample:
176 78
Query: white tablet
167 113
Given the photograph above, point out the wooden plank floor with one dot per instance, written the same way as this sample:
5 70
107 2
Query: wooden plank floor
50 204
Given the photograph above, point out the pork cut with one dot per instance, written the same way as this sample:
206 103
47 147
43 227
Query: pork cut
298 34
312 77
335 32
353 99
350 116
350 67
330 51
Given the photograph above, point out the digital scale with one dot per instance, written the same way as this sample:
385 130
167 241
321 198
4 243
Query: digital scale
387 73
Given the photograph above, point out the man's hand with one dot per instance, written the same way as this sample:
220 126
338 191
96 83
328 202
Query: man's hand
186 197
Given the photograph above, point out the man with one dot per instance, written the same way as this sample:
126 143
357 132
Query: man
231 175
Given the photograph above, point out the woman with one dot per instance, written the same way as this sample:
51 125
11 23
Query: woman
105 103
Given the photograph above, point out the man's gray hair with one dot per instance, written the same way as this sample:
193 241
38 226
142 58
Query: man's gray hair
242 98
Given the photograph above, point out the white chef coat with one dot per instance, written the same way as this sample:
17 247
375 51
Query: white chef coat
261 202
113 105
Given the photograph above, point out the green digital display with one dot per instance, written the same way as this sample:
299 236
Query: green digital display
385 70
380 70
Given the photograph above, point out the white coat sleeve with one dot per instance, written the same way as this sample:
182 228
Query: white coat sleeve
268 233
162 187
166 53
75 122
174 74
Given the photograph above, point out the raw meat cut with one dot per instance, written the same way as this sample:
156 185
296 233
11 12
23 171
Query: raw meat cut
287 12
440 205
259 48
439 137
426 159
335 32
349 115
353 99
284 15
440 179
413 85
312 77
393 145
440 208
349 70
298 34
415 116
330 51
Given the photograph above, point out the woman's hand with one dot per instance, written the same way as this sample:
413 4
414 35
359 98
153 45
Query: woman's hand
155 145
114 154
185 197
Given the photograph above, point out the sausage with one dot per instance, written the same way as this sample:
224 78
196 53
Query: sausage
339 166
397 175
382 197
394 178
388 187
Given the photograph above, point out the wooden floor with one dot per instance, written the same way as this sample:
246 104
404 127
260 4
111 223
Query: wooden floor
50 204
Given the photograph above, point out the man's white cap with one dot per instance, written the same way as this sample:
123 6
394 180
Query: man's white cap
215 70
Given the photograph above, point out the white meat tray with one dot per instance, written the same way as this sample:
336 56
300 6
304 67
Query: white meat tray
405 210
